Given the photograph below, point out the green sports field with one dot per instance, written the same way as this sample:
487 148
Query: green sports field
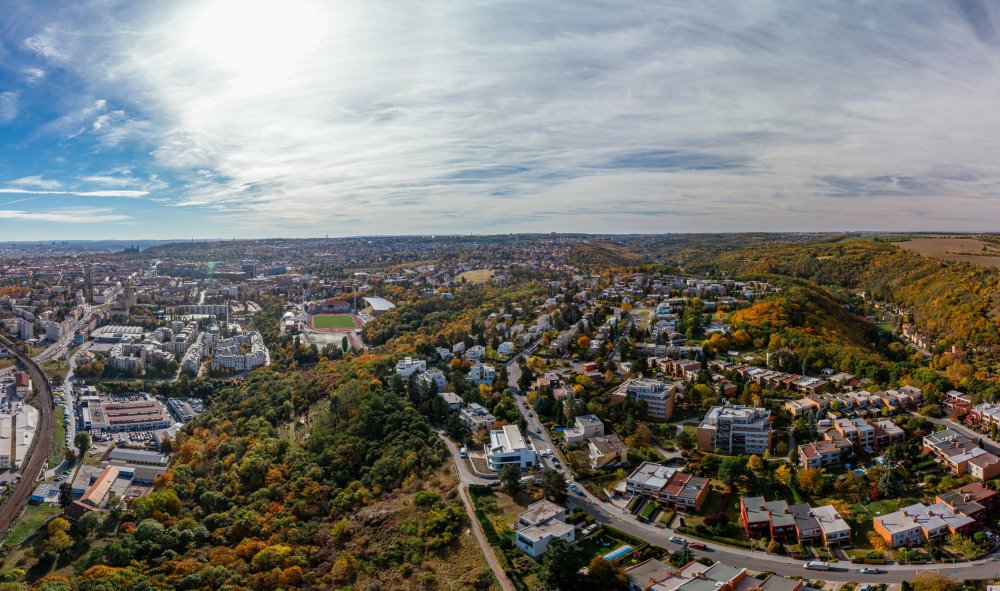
333 321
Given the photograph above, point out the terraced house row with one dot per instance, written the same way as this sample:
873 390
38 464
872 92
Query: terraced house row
780 521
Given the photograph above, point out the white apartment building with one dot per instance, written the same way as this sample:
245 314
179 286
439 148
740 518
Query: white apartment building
541 523
508 447
735 430
476 353
475 417
407 366
482 374
432 376
229 353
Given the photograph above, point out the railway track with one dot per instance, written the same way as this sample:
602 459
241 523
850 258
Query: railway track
12 507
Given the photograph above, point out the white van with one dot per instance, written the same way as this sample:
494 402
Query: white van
816 565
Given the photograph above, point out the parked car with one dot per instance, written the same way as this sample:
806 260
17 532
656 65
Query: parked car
697 546
869 570
677 539
816 565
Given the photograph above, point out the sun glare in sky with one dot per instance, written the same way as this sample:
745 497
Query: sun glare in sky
257 43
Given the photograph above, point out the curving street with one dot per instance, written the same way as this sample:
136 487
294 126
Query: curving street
604 513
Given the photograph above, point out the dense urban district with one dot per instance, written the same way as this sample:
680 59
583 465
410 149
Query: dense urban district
774 412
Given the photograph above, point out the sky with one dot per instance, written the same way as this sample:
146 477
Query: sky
267 118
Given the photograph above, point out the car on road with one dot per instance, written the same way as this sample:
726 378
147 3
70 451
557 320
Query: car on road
869 570
557 464
816 565
530 414
538 430
697 546
677 539
463 453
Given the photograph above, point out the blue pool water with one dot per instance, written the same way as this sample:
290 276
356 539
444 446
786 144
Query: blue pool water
618 552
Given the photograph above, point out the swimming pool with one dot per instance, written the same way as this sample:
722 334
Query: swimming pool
618 552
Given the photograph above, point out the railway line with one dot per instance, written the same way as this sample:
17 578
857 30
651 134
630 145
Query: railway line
15 503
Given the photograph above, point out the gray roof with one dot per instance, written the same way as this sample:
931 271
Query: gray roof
139 456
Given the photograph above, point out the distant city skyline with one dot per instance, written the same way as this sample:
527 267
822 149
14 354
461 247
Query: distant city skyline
306 118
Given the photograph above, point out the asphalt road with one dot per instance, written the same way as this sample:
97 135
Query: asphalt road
465 478
11 509
605 513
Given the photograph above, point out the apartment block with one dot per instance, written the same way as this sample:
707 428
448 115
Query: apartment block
735 430
660 397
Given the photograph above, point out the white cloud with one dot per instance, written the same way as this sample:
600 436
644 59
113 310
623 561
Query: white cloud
121 194
45 44
33 75
8 106
36 182
283 115
64 216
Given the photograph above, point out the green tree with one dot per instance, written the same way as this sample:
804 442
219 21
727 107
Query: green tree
554 486
561 564
731 470
65 494
929 580
510 476
82 441
685 441
813 480
682 556
604 575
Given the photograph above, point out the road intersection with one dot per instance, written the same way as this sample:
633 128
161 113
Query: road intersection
605 513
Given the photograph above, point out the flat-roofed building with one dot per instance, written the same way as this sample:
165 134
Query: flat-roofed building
507 447
660 397
735 430
409 365
542 522
476 417
141 413
139 457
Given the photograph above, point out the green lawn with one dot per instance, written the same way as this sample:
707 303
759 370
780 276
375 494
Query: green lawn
55 370
58 437
29 523
477 275
333 321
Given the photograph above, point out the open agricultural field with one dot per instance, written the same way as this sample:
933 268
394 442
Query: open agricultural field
966 250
